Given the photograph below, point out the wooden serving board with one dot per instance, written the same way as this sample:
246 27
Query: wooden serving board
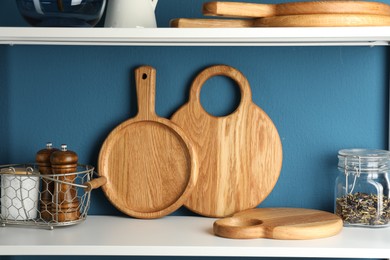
210 23
240 155
149 163
279 223
305 20
323 20
255 10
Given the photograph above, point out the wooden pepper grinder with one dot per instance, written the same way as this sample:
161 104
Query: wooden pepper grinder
65 204
42 159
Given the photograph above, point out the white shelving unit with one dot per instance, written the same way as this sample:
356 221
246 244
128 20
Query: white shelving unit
366 36
181 236
188 236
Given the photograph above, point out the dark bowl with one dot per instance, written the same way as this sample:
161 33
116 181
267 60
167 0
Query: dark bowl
62 13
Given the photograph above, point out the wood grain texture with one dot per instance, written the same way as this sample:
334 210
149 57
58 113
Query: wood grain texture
255 10
323 20
95 183
240 155
239 9
279 223
150 165
210 23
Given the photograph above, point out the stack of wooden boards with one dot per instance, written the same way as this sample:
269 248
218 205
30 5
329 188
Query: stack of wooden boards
331 13
215 166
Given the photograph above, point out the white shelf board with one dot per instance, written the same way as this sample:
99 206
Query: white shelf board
297 36
181 236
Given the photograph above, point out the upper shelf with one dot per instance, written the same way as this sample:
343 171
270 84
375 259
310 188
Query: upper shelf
296 36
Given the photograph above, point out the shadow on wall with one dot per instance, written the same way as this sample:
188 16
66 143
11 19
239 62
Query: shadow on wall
4 107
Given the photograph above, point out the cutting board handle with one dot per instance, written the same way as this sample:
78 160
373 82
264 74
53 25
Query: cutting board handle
221 70
239 9
145 80
236 227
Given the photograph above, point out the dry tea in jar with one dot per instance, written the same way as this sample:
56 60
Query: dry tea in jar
362 187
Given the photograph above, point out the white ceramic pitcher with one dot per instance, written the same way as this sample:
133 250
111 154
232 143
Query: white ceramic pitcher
131 13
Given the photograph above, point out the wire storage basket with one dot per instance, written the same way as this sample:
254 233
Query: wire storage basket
47 200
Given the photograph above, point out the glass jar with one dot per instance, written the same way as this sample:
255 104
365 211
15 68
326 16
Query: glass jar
362 188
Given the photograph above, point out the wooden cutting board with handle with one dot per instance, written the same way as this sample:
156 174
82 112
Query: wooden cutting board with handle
305 20
211 23
150 165
256 10
323 20
240 155
279 223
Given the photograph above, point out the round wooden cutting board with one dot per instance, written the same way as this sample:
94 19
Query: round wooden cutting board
150 165
279 223
257 10
323 20
240 155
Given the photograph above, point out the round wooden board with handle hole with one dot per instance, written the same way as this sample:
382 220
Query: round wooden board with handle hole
323 20
150 165
240 155
279 223
258 10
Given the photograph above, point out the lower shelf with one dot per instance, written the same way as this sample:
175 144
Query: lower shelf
181 236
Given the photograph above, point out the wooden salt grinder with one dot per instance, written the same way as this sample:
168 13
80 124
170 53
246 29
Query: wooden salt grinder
42 159
65 204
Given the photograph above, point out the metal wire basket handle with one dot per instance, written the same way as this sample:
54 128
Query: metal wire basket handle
95 183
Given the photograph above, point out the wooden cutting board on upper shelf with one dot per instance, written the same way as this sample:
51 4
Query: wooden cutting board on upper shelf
211 23
149 163
323 20
293 14
279 223
305 20
257 10
240 155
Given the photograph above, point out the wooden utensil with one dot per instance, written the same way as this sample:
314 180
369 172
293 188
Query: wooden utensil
279 223
240 155
211 23
149 163
323 20
255 10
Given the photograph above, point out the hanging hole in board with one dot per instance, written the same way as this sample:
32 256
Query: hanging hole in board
220 96
144 76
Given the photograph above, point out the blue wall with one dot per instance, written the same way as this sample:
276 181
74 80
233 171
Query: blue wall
321 99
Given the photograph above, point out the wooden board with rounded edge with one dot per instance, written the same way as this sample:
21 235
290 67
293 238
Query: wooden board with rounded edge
257 10
279 223
240 155
323 20
210 23
150 165
306 20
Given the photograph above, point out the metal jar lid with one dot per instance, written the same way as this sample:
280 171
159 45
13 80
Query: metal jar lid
364 160
19 170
